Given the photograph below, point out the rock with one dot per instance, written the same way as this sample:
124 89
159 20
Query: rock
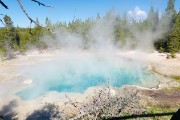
15 117
28 81
112 92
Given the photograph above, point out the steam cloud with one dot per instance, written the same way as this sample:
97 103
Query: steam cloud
101 36
76 65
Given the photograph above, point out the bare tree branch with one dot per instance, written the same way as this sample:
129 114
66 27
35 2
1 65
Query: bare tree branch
22 8
2 22
105 104
24 11
31 20
3 4
41 3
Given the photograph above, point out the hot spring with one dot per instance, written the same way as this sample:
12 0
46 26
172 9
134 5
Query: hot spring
75 72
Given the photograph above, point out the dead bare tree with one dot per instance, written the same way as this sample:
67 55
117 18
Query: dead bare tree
3 4
41 4
2 20
105 104
24 11
31 20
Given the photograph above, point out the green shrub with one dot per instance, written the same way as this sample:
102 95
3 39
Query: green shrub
173 55
161 49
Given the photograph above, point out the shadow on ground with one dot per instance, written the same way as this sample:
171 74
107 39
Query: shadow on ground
8 111
48 112
175 116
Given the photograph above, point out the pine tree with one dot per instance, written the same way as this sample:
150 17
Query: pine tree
171 13
98 16
8 22
174 39
9 36
170 7
167 22
151 14
37 21
48 23
153 19
156 21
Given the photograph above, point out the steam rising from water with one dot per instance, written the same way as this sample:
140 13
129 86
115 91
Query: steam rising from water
76 71
101 35
75 68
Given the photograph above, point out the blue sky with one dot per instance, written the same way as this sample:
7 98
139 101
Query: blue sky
64 10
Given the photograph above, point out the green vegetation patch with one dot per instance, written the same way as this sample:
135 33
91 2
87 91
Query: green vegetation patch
161 109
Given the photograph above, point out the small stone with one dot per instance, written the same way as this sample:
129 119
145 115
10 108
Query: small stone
15 117
28 81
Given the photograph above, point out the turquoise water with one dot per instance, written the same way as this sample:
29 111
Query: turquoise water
77 74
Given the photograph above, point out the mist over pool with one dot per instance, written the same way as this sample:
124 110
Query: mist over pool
74 72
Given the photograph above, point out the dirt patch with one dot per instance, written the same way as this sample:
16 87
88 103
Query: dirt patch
163 97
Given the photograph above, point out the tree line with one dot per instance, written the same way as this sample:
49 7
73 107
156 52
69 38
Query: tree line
21 39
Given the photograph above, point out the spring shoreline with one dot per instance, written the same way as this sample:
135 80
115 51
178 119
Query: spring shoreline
155 62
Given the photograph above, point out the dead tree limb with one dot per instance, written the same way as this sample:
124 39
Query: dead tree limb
72 103
31 20
22 8
2 22
41 4
3 4
104 104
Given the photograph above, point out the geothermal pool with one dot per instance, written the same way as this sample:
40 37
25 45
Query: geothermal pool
76 72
